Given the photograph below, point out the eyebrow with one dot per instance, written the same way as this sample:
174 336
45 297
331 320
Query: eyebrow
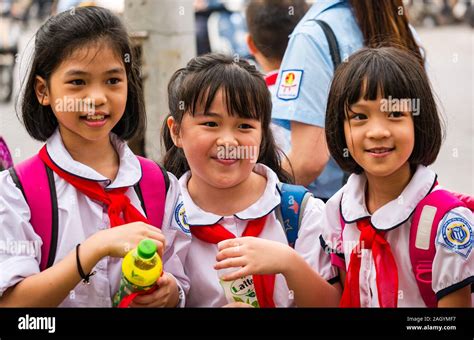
76 72
207 114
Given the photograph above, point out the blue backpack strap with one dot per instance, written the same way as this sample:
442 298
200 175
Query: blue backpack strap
293 202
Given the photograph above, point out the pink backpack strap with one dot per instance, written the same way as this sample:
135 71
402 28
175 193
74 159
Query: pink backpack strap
424 227
152 190
36 182
466 199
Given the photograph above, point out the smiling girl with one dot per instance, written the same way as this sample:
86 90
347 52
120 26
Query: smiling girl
83 98
220 110
393 199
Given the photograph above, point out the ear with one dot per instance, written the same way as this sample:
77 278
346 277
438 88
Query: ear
174 131
251 45
41 90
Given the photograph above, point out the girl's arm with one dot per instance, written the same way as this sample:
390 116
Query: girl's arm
310 289
260 256
50 287
459 298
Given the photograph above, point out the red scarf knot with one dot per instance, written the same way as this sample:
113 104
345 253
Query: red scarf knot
385 268
264 284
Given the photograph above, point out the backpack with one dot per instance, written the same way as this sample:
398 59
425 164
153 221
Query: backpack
36 182
293 201
423 230
5 156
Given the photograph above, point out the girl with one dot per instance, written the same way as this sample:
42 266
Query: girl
219 142
83 97
307 69
382 111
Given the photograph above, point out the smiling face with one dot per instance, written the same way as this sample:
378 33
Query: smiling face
221 149
87 93
380 142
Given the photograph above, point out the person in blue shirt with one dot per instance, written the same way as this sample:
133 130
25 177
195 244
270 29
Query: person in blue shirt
306 73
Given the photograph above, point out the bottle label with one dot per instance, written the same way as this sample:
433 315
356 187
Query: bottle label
241 290
127 288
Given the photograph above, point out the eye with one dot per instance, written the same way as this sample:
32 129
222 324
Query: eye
209 124
396 114
357 116
245 126
77 82
114 81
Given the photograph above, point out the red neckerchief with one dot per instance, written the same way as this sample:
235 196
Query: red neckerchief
119 208
385 268
264 284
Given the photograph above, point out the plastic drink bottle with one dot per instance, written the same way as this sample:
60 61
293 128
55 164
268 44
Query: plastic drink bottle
141 268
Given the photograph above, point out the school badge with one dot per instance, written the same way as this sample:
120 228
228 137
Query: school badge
456 234
180 218
290 82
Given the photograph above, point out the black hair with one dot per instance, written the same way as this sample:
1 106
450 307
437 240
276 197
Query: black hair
389 72
270 22
245 93
57 39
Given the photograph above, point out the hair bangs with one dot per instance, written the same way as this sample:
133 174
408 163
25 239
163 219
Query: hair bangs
238 90
378 75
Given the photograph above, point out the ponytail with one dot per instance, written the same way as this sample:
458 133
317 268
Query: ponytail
174 160
384 23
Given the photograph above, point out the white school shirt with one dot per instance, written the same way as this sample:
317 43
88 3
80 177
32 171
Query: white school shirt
453 267
79 217
206 290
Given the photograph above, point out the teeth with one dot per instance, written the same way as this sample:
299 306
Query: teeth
380 150
95 117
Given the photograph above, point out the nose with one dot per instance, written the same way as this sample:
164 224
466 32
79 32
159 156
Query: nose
227 138
378 130
97 96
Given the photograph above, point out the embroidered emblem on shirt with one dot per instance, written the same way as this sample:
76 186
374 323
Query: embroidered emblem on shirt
456 234
180 218
290 82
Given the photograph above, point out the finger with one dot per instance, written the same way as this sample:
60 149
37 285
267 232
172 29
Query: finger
230 263
145 299
163 281
233 242
159 240
241 272
238 305
154 304
156 235
229 253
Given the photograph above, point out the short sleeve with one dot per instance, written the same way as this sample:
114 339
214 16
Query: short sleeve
177 235
20 246
331 231
304 79
453 265
308 244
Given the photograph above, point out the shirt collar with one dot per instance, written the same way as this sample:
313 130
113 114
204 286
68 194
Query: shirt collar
129 172
322 5
394 213
263 206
